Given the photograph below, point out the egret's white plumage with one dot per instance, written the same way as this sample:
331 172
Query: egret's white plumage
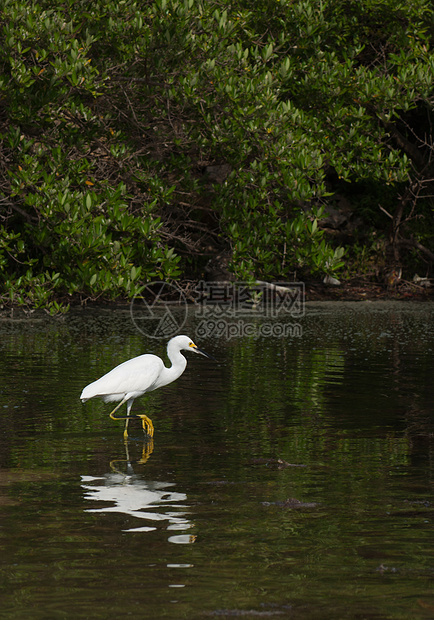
139 375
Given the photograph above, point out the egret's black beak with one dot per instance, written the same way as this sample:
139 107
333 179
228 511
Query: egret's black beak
197 350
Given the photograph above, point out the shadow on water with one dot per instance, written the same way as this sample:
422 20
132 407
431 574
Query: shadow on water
293 478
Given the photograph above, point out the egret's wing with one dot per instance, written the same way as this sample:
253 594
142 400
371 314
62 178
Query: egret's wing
137 375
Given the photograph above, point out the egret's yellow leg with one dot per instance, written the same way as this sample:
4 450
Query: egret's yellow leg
123 401
126 427
113 417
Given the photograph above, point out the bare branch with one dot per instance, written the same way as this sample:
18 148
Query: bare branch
412 243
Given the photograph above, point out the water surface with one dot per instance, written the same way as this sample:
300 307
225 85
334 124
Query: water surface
292 478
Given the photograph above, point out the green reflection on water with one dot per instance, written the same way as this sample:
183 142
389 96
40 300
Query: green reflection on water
340 419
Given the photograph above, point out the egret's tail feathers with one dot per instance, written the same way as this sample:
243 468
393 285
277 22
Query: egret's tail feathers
87 393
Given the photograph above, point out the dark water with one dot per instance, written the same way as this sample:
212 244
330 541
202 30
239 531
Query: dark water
292 478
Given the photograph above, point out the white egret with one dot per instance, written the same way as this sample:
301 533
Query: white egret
139 375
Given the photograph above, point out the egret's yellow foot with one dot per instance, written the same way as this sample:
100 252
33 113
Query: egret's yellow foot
148 427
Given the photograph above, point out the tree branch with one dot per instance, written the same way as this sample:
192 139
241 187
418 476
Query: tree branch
412 243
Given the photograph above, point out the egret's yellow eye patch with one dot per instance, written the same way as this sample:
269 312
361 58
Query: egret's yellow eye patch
191 344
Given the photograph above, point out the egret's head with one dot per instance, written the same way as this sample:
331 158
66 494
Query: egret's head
184 342
195 348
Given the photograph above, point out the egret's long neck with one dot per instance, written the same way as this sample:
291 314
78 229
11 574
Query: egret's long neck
178 366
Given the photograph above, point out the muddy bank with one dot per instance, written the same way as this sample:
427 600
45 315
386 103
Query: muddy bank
317 291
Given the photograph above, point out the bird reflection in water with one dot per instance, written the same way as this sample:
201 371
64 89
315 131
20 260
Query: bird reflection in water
128 493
